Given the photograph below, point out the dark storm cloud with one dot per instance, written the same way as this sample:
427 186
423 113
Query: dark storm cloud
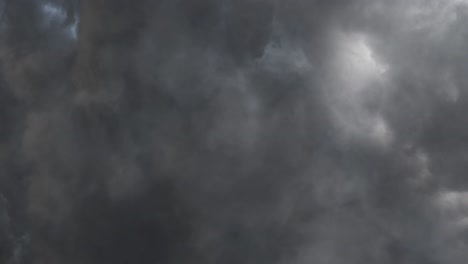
252 131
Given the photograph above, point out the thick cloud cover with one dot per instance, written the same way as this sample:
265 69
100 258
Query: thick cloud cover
247 131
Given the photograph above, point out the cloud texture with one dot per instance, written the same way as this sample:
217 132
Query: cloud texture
248 131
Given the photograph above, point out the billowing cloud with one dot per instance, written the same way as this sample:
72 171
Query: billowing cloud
248 131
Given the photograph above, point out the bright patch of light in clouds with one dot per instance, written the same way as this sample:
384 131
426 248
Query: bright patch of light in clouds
54 11
357 77
56 14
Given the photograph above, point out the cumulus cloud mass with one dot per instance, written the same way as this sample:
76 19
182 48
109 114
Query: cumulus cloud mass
233 131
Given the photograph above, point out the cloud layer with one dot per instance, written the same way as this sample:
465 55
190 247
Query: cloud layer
248 131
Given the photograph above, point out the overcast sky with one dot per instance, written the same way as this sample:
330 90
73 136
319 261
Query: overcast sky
233 131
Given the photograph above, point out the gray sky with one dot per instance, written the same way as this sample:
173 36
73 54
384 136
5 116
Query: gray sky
248 131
